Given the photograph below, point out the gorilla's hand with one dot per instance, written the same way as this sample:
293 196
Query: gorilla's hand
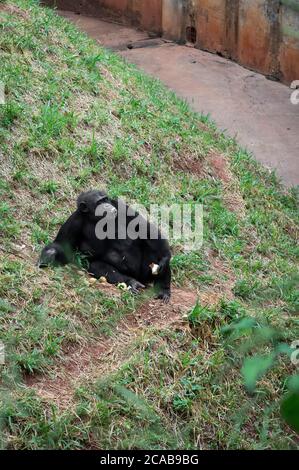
135 286
52 255
164 295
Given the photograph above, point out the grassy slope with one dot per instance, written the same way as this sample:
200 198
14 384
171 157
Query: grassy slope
78 117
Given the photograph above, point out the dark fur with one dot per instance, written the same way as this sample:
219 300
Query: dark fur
118 260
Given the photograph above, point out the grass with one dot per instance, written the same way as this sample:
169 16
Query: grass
76 117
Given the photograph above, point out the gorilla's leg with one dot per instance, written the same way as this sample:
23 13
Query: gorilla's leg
100 269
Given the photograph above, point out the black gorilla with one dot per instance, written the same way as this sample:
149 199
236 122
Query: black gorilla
136 261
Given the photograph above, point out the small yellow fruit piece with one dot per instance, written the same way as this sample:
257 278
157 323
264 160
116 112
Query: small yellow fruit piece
92 281
103 280
122 286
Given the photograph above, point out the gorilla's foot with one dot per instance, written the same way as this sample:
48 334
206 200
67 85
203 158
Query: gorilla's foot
164 295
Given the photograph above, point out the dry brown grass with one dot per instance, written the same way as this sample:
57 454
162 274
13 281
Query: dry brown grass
217 166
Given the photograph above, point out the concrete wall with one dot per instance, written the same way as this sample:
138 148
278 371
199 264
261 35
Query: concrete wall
258 37
263 35
289 48
144 14
173 20
260 34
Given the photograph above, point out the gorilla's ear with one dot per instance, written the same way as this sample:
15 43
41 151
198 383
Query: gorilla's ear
83 207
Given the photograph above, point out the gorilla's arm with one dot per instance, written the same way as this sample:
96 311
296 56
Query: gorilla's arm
71 231
163 283
158 252
62 250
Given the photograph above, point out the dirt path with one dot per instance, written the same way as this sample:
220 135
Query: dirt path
255 110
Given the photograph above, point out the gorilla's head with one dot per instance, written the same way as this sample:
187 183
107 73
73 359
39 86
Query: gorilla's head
53 255
95 204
